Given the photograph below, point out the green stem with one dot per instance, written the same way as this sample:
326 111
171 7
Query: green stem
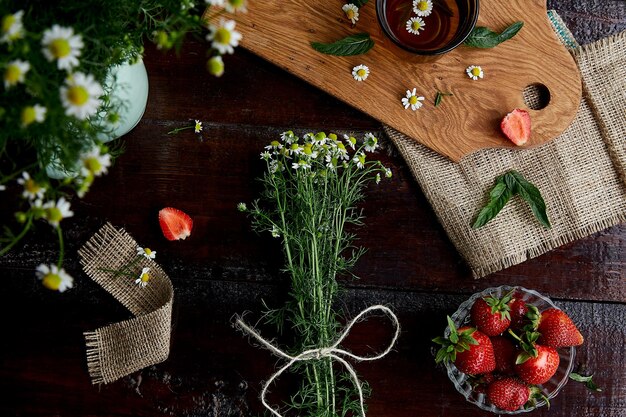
19 237
179 129
61 247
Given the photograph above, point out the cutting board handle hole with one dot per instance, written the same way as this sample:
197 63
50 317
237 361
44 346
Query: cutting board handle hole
536 96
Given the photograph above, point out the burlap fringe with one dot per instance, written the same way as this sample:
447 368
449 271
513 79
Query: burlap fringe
122 348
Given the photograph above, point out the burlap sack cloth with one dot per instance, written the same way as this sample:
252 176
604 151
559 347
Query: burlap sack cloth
125 347
581 174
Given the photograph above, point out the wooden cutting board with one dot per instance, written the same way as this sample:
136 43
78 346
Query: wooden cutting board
281 32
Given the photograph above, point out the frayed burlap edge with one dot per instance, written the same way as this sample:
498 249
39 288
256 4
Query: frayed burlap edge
121 348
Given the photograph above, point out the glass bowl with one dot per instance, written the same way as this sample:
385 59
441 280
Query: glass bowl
550 389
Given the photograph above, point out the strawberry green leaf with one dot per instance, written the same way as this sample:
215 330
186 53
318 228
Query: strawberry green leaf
585 380
522 357
351 45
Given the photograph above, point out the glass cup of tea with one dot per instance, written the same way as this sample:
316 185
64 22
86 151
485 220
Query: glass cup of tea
427 27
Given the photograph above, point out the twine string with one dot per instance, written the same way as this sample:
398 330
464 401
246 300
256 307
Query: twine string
333 351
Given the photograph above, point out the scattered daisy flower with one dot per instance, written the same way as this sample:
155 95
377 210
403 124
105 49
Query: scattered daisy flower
147 252
34 113
198 126
215 66
359 160
475 72
415 24
388 173
422 8
360 72
371 142
223 37
94 162
234 6
57 211
54 278
350 140
412 100
81 95
144 277
242 207
15 72
32 190
351 12
12 27
218 3
60 44
275 231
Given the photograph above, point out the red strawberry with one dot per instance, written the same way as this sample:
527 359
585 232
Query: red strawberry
491 315
508 394
175 224
539 369
480 384
558 330
516 126
505 353
518 312
469 349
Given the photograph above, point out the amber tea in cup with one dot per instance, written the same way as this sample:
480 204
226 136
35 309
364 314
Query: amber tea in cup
446 27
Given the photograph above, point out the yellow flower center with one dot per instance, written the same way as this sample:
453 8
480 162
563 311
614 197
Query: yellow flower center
236 3
60 48
295 146
7 23
476 72
274 144
350 14
77 95
413 100
361 73
148 251
308 149
422 5
12 74
145 277
93 165
31 186
416 25
54 215
222 35
341 146
28 115
52 281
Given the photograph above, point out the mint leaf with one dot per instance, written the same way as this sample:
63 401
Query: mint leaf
530 194
498 197
585 380
359 3
351 45
482 37
440 97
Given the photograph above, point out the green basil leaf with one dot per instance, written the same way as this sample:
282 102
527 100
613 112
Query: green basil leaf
440 97
530 194
482 37
359 3
351 45
585 380
498 197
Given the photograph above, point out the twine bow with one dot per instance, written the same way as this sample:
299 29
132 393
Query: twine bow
332 351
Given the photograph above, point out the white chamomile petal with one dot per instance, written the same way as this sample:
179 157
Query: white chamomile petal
415 24
475 72
422 8
12 27
54 278
15 72
81 95
412 100
94 162
351 11
360 72
61 44
223 37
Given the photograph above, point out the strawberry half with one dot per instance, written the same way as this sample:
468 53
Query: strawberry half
469 349
491 315
538 369
175 224
516 126
508 394
558 330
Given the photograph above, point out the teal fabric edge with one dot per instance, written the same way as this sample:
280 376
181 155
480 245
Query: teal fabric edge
564 34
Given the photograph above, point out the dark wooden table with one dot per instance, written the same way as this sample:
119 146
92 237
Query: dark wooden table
225 268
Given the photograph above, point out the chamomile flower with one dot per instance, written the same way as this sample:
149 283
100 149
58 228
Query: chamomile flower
475 72
198 126
275 231
371 142
34 113
378 178
388 173
422 8
351 12
224 37
15 72
301 164
54 278
147 252
266 156
309 151
94 162
32 190
412 100
12 27
234 6
215 66
288 137
415 24
360 72
295 149
144 277
350 140
242 207
81 95
359 160
274 145
60 44
2 187
57 211
218 3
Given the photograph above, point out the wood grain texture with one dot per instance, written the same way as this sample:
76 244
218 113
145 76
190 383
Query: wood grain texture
279 32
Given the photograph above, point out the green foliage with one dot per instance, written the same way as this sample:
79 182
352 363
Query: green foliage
350 45
587 380
455 343
482 37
